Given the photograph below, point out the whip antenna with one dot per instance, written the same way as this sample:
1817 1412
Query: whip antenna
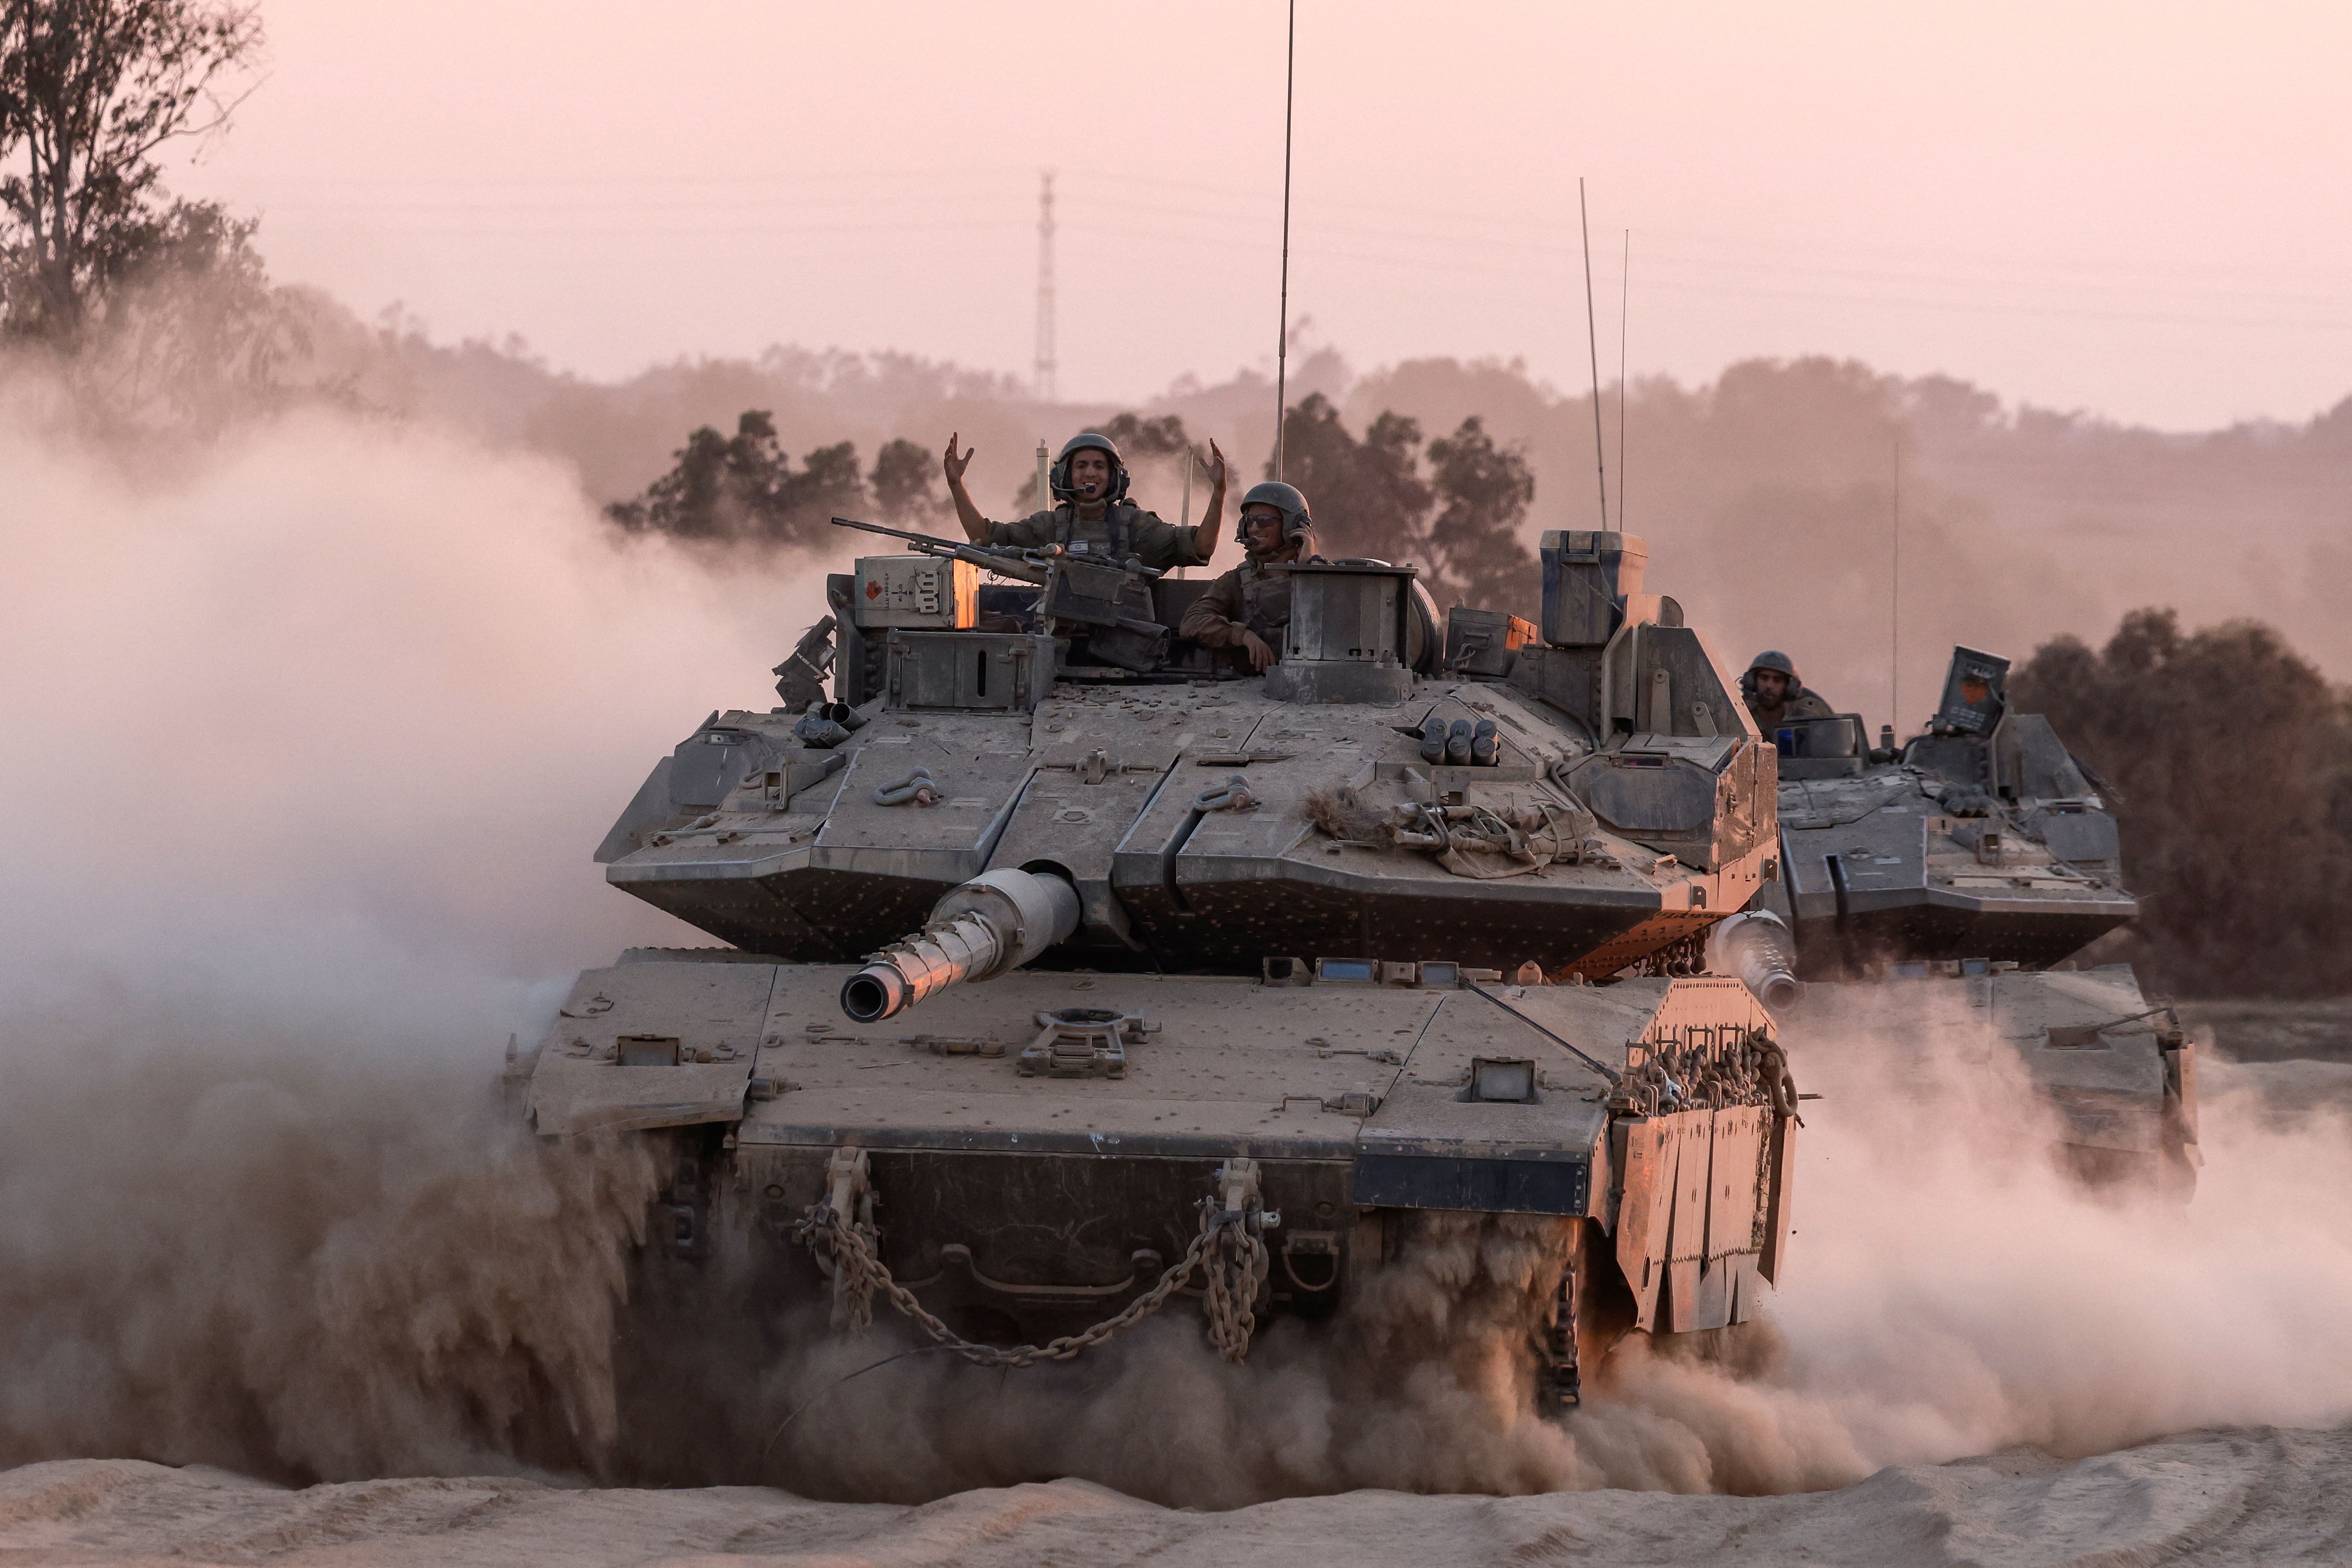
1593 341
1625 301
1895 597
1282 343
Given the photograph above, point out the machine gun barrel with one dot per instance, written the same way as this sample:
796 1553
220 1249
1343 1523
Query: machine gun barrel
997 921
1005 562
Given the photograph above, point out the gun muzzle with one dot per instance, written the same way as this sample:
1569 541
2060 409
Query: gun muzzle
1757 947
997 921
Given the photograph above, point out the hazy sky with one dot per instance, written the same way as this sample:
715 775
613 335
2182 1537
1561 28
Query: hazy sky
2139 209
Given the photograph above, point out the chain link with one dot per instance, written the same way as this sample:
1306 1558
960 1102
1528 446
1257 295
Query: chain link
1690 1073
1234 1253
1235 1272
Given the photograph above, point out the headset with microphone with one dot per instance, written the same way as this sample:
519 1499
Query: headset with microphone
1058 477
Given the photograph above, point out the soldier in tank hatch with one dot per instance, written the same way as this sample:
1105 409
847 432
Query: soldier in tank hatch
1248 608
1091 515
1775 695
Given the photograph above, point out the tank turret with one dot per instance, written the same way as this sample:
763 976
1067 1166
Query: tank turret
1599 800
1981 855
1979 838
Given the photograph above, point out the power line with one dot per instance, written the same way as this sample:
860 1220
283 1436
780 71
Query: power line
1424 220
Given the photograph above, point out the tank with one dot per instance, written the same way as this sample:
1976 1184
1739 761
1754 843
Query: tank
1970 866
1075 976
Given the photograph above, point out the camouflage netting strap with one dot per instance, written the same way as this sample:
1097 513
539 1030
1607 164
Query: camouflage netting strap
1236 1255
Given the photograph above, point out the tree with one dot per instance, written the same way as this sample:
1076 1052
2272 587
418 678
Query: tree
1367 496
199 331
1138 438
90 90
741 488
2229 761
827 487
1461 525
1483 494
902 481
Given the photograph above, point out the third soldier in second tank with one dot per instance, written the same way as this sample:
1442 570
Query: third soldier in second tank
1775 695
1248 608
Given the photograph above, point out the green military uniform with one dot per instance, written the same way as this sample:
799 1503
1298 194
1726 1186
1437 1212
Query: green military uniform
1122 531
1255 597
1803 702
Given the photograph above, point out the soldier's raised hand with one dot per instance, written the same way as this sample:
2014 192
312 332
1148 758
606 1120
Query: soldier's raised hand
1215 465
953 465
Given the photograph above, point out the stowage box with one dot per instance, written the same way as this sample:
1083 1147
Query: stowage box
916 592
1587 577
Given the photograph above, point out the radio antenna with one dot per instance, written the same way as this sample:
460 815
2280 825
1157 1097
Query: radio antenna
1624 300
1895 597
1593 341
1282 343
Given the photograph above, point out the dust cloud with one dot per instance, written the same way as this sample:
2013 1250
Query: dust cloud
309 742
1956 1293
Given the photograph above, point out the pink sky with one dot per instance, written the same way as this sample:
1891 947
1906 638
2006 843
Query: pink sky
2137 209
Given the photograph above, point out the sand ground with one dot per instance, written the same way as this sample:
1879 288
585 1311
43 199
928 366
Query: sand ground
2242 1496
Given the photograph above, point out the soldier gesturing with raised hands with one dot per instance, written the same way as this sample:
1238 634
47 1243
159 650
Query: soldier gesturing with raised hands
1091 514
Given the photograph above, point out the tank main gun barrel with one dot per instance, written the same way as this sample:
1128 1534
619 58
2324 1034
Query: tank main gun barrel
1758 948
1005 562
997 921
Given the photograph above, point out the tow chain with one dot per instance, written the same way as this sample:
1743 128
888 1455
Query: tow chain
1237 1267
1228 1245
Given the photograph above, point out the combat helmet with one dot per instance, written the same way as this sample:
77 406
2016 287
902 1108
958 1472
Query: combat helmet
1770 658
1085 440
1287 500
